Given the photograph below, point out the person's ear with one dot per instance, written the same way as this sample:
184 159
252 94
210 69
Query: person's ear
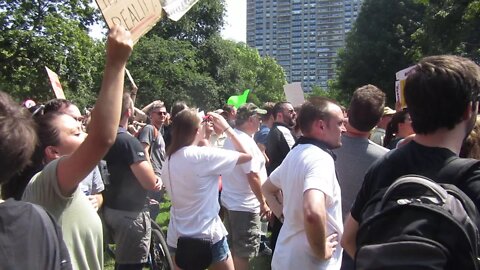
319 124
51 152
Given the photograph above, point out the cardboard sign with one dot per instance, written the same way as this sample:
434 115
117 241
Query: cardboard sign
56 86
137 16
294 93
401 77
175 9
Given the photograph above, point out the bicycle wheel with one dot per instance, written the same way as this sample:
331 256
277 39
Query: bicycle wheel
159 256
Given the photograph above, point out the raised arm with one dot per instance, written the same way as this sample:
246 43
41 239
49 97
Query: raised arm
222 124
103 126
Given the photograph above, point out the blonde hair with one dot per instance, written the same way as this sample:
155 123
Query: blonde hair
471 145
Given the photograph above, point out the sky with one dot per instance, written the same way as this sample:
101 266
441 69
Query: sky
235 20
234 28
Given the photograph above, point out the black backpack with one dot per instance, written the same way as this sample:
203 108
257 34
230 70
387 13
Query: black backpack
419 224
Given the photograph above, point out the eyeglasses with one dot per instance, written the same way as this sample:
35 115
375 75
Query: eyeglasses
161 113
291 111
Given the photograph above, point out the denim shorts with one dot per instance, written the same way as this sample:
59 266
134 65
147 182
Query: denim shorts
220 251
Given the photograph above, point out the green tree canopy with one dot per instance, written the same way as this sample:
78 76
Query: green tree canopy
173 70
202 21
376 48
49 33
391 35
449 27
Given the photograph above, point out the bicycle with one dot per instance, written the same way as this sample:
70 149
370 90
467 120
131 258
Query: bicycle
159 256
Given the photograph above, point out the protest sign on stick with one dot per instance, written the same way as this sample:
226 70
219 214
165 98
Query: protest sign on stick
175 9
133 92
137 16
401 77
55 82
294 93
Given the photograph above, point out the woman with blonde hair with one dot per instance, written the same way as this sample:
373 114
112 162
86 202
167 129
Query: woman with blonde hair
191 177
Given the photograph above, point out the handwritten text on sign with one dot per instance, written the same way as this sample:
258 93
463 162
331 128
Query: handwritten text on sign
138 16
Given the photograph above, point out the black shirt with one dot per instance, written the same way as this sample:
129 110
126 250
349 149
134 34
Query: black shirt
277 147
412 158
124 191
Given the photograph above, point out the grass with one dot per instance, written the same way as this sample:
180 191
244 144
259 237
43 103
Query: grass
258 263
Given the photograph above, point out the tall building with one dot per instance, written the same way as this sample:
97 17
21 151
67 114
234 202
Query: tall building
302 35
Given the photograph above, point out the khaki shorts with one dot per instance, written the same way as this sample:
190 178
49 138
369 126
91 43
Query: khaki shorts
243 233
131 233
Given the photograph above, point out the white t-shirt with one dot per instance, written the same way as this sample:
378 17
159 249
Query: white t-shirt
194 171
306 167
236 192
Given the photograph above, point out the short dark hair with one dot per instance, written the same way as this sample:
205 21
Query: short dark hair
366 107
392 127
17 137
278 108
438 91
314 109
55 105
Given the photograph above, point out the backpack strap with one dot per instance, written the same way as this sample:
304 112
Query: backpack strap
456 169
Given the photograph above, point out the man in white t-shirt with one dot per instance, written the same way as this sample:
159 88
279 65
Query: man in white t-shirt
311 206
241 193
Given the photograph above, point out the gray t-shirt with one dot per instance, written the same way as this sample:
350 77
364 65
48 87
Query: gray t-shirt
354 157
93 183
154 139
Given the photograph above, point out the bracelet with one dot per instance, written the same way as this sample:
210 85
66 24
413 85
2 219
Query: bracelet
226 129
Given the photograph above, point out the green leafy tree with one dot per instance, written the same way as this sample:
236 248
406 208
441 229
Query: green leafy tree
330 93
202 21
236 67
169 70
378 46
49 33
449 27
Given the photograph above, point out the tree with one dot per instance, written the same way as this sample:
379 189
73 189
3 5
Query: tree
202 21
236 67
49 33
169 70
331 93
449 27
173 70
378 46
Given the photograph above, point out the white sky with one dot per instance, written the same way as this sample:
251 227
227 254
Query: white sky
235 27
235 20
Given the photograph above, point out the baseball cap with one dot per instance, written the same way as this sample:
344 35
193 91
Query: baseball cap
247 110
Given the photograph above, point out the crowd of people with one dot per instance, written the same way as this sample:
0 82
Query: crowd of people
308 170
